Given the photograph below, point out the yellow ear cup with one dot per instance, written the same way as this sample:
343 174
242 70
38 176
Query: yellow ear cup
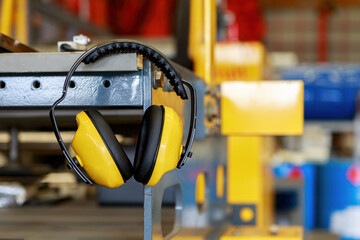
93 154
170 147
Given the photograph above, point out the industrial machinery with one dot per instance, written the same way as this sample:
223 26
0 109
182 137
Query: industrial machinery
224 190
215 179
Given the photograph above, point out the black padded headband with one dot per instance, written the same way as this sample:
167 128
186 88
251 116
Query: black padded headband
153 55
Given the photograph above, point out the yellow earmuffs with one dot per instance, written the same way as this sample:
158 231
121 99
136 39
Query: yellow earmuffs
159 148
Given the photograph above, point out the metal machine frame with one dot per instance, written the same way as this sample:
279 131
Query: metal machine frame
31 82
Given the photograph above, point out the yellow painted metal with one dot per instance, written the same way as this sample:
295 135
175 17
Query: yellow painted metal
22 21
249 180
209 40
200 189
170 146
247 214
196 32
236 61
262 108
254 233
243 174
6 18
202 37
248 110
15 12
220 181
93 155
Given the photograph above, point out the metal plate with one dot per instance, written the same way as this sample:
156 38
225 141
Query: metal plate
262 108
62 62
8 44
41 91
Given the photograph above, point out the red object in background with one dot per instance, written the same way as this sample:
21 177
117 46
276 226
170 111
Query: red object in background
322 30
296 173
142 17
353 175
233 32
98 10
70 5
160 19
124 16
248 19
99 13
128 17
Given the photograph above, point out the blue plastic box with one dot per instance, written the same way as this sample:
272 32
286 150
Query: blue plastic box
330 91
336 191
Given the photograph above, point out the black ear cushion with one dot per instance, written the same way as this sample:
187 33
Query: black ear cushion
148 143
115 149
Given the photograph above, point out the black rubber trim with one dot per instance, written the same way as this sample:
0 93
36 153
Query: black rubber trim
153 55
115 149
148 143
67 48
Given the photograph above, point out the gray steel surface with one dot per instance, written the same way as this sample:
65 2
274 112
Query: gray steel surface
153 197
41 91
36 80
62 62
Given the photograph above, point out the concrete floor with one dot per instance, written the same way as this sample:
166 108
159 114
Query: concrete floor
76 220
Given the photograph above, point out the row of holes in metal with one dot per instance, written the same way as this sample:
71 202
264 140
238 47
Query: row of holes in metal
36 84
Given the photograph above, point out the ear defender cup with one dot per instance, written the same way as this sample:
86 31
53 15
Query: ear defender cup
98 151
159 144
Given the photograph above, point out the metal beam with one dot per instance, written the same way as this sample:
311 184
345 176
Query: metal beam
62 62
8 44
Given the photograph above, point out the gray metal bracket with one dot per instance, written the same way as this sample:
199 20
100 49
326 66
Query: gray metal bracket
152 207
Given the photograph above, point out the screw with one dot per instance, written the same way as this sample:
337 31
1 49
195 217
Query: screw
158 79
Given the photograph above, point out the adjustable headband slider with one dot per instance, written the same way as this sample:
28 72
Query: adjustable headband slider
186 153
181 164
76 162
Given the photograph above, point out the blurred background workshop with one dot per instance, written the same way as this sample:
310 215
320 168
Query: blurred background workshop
276 151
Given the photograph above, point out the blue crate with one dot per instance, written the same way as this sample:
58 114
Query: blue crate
329 92
352 86
307 75
335 191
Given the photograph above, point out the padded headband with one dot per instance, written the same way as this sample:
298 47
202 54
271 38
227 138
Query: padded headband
153 55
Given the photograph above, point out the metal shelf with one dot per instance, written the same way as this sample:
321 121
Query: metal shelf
336 126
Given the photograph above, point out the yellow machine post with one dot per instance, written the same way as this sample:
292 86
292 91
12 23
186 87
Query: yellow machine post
14 13
7 9
22 24
249 180
250 109
202 38
209 40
